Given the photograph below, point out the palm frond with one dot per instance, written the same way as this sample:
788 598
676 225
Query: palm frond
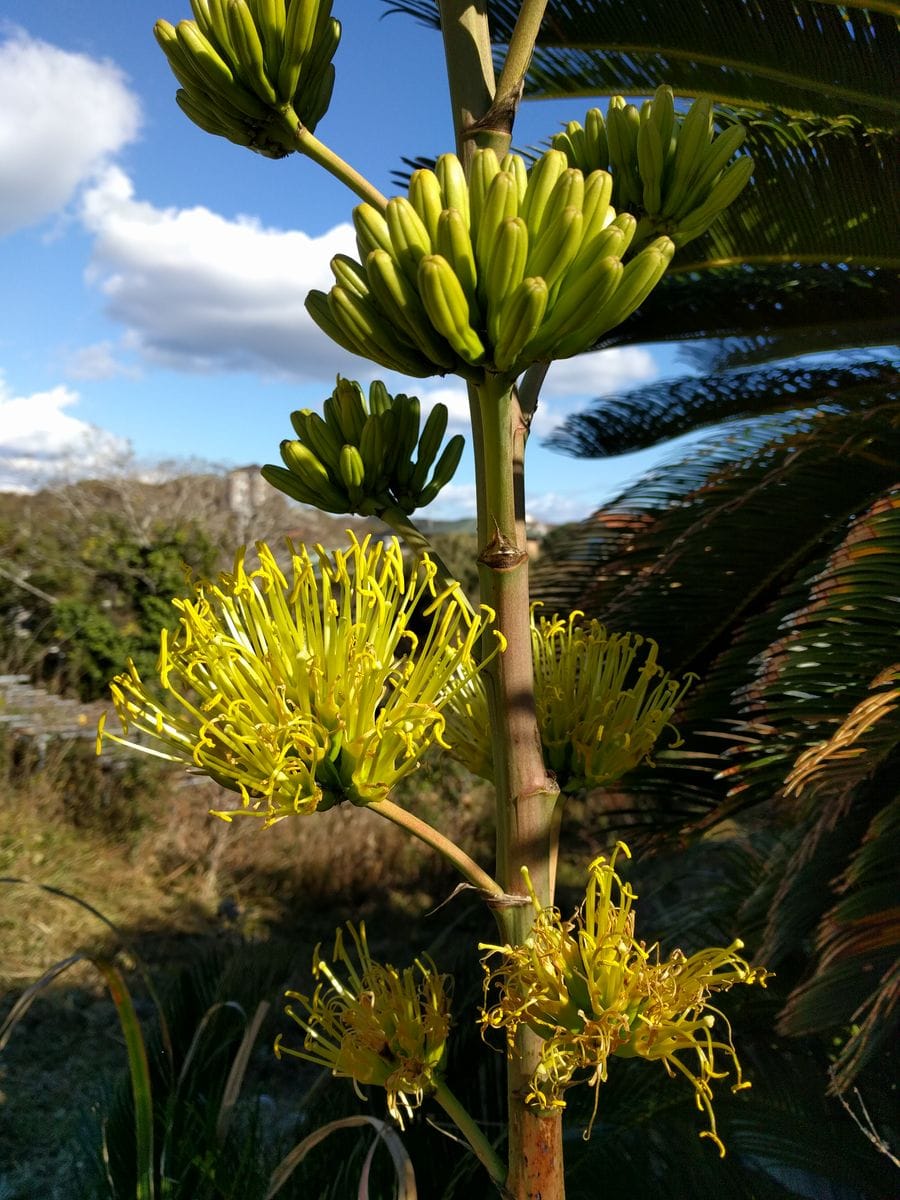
856 340
670 571
806 57
667 409
822 191
826 302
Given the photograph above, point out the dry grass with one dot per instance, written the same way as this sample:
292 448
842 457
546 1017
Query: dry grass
138 844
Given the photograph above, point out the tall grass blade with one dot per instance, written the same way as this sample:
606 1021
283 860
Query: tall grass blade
189 1057
239 1069
140 965
139 1070
138 1066
406 1180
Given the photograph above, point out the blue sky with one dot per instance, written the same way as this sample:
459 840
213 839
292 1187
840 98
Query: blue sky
154 276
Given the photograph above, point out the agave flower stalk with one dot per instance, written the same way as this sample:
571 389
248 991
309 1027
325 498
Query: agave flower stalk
300 694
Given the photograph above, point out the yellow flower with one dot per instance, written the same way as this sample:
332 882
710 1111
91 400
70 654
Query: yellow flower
600 709
302 694
591 990
377 1025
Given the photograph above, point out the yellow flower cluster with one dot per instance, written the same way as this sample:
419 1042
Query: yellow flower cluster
305 693
600 709
592 991
377 1026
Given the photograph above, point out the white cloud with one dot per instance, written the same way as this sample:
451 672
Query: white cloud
600 373
556 508
199 292
98 361
454 396
62 116
40 441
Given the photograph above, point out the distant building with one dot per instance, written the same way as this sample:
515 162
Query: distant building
246 491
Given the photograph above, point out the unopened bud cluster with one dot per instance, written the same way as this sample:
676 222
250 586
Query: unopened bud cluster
250 70
488 274
367 456
668 170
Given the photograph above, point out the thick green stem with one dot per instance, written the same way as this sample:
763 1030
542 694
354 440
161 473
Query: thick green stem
461 1118
308 144
527 824
470 74
467 867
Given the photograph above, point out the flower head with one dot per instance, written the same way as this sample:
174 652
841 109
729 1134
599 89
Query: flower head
376 1025
600 708
593 991
305 693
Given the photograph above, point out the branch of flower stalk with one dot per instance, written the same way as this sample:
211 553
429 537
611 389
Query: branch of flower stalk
526 796
528 806
467 867
520 51
530 388
308 144
473 1134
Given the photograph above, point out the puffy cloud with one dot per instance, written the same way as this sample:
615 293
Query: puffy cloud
199 292
40 441
557 508
599 373
62 116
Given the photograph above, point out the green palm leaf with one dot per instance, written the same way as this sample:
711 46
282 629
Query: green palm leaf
667 409
840 57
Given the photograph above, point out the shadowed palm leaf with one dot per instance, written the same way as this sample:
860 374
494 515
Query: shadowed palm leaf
840 57
662 558
797 638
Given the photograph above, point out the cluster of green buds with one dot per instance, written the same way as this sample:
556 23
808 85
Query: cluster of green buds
301 694
252 70
488 274
373 1024
668 170
592 991
602 703
367 456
